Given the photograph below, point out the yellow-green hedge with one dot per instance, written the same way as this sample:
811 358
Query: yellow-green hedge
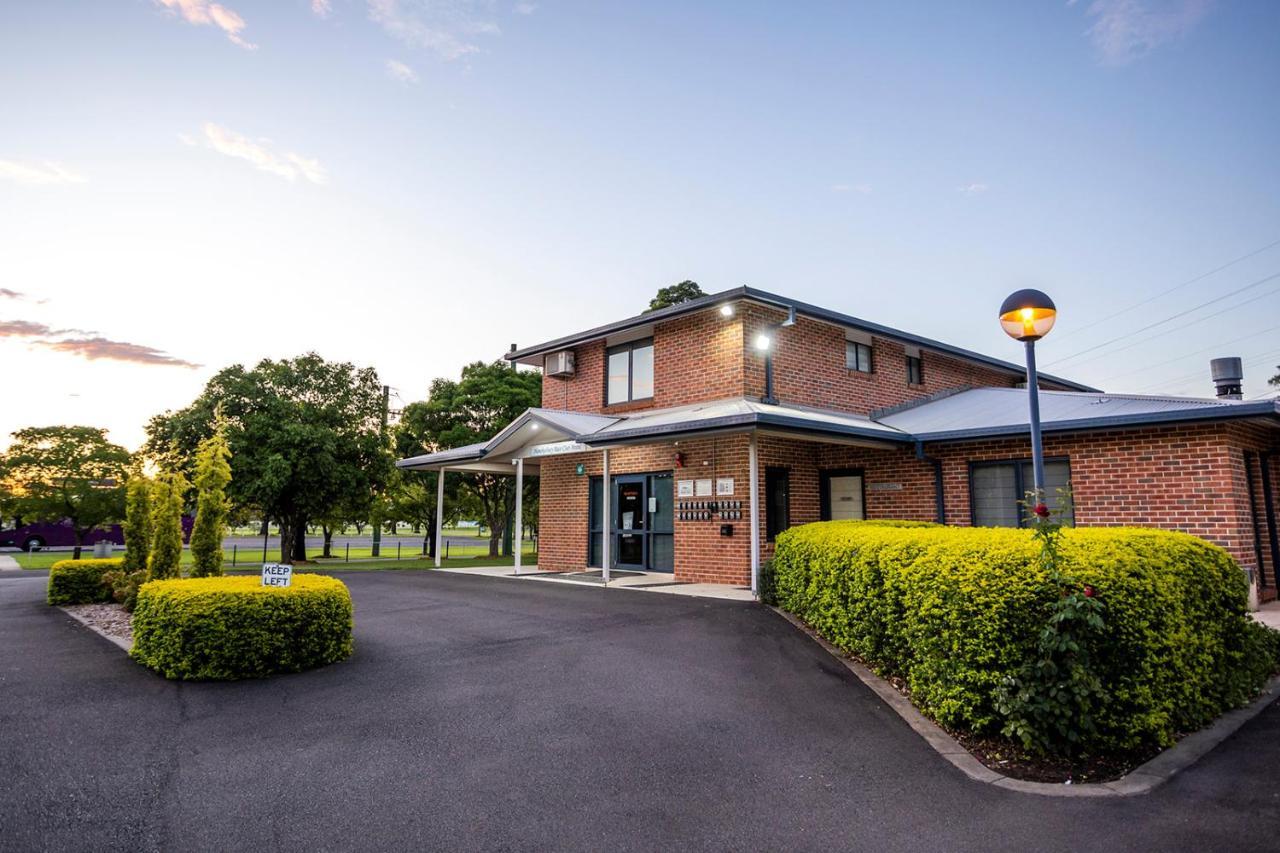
80 581
233 627
955 611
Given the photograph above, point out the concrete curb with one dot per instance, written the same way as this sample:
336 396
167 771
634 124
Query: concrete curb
95 629
1141 780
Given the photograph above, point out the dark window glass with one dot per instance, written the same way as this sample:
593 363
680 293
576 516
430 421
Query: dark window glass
777 506
915 370
857 356
999 491
594 506
629 372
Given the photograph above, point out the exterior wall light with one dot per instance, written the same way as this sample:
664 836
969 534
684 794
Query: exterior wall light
1027 316
763 342
726 310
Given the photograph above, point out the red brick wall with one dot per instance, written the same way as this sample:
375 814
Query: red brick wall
1187 477
701 553
705 356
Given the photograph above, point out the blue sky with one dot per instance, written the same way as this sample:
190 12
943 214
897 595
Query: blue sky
415 185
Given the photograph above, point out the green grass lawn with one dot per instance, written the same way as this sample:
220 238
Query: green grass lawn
252 558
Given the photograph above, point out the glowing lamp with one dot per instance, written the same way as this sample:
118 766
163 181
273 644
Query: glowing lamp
1027 315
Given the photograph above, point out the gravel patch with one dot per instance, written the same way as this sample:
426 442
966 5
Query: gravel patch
110 619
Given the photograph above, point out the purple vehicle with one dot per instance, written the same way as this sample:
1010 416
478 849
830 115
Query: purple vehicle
61 534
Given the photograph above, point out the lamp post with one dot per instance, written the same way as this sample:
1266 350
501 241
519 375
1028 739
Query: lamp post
764 343
1027 316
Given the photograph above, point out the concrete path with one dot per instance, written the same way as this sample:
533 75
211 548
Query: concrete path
1269 614
479 714
8 564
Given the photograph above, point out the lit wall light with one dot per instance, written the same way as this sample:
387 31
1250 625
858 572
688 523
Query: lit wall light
763 342
726 310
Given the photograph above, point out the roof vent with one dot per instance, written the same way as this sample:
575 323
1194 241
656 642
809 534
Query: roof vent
1228 377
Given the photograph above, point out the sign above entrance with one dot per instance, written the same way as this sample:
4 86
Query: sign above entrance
556 448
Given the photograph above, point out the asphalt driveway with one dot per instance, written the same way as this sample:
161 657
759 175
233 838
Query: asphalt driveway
483 713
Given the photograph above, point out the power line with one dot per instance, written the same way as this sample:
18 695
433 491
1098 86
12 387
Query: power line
1251 361
1187 355
1186 283
1169 319
1177 328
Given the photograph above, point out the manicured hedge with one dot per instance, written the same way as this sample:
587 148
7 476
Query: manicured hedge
81 581
954 611
233 627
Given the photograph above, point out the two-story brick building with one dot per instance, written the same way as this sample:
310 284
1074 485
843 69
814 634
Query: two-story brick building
719 422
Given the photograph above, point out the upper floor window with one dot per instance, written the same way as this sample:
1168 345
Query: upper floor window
998 491
629 372
857 356
915 370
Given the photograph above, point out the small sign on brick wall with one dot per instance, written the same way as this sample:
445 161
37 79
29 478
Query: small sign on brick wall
884 487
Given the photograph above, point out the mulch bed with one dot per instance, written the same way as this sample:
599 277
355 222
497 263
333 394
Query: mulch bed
111 619
1009 758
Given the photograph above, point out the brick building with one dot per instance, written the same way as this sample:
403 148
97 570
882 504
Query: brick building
711 443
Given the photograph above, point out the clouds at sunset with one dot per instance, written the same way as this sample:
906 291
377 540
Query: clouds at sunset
205 13
37 174
88 345
261 154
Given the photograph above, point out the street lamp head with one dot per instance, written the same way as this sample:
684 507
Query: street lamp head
1027 315
763 342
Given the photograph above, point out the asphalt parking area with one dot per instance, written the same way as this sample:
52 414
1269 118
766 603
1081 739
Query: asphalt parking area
488 713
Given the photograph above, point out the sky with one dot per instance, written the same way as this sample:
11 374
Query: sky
417 184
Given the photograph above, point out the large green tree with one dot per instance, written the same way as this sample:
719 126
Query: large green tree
685 291
305 436
66 472
469 410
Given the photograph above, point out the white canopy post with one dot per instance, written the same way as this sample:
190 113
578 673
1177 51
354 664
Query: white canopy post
439 515
754 486
607 527
519 537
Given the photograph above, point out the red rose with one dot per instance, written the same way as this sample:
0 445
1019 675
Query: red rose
1042 510
1088 591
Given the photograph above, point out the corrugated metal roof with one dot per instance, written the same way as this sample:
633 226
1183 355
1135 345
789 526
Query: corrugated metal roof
528 355
1003 411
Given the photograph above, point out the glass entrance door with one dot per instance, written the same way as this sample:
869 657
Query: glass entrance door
630 522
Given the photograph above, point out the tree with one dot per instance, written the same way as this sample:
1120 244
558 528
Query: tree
473 409
213 473
167 498
685 291
1275 380
66 472
137 524
304 434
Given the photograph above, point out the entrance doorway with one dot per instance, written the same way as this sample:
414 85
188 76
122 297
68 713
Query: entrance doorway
642 526
843 495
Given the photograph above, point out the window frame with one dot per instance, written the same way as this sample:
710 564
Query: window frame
855 348
1019 482
629 348
918 361
773 475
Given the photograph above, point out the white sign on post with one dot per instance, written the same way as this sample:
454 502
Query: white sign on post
277 574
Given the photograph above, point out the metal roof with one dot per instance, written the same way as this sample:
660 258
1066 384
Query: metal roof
982 412
528 354
737 413
973 414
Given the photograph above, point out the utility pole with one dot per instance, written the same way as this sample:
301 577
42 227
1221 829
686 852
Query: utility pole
376 550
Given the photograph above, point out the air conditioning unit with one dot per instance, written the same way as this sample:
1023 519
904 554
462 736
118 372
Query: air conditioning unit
559 363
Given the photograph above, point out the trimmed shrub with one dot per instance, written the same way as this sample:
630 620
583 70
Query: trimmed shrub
233 627
957 612
137 524
124 586
167 494
81 581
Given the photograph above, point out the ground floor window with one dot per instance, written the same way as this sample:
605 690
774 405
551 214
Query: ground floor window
777 502
998 491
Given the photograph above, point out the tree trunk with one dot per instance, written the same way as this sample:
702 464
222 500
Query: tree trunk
429 544
286 540
300 542
328 540
75 555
